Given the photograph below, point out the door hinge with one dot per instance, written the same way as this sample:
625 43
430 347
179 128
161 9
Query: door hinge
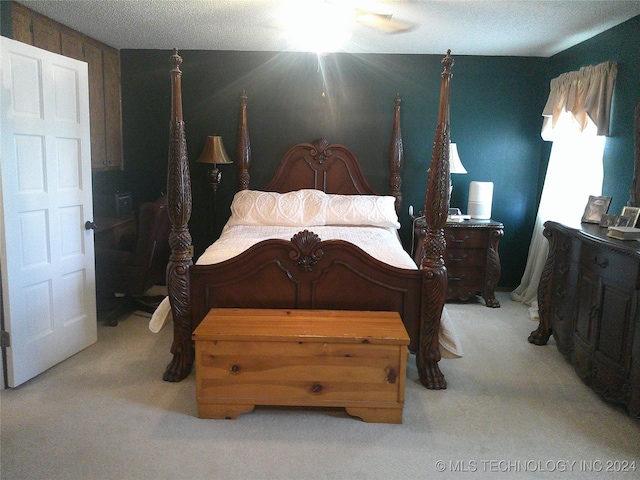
5 339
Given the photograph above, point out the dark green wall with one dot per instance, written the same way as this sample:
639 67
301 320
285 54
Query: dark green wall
496 106
495 119
6 25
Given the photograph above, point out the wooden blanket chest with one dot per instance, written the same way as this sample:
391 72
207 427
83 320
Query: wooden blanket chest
328 358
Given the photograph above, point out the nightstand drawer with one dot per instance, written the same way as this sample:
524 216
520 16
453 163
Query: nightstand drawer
465 275
464 258
458 238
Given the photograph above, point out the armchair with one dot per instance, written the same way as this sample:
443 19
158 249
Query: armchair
140 260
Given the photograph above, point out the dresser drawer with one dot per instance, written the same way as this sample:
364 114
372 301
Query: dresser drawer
464 258
466 238
473 275
607 263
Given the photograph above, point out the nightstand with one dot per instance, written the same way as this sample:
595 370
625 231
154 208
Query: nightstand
471 257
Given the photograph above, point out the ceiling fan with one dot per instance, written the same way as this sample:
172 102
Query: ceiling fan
383 22
325 25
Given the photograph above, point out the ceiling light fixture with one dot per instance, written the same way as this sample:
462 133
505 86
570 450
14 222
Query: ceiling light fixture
317 26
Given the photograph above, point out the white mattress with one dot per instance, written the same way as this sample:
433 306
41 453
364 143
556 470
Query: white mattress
381 243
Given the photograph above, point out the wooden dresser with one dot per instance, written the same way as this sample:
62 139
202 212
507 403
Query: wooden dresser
588 299
471 257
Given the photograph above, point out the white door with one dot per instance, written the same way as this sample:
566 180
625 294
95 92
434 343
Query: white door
47 255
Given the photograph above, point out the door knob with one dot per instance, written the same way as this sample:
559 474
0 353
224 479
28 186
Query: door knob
90 225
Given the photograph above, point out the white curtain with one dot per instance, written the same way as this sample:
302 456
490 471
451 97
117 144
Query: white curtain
576 120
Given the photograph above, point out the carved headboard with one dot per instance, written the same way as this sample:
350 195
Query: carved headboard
331 168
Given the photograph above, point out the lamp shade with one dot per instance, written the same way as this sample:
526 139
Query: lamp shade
455 164
214 152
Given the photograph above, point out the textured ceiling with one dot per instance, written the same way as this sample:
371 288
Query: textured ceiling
471 27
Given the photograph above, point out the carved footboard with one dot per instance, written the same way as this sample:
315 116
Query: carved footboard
308 273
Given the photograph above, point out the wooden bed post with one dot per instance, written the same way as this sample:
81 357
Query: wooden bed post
396 157
244 146
179 210
436 206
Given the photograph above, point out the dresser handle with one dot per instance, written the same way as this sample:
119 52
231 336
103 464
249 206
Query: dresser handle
458 260
458 279
602 264
454 240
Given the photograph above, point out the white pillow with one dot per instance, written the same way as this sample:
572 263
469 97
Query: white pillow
308 208
300 208
370 210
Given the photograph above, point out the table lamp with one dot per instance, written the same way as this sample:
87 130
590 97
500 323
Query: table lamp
455 164
215 154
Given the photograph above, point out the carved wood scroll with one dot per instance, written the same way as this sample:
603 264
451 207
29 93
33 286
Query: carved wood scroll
307 252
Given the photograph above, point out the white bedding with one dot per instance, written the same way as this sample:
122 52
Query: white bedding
246 227
380 243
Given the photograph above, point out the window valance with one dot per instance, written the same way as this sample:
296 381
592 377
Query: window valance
586 94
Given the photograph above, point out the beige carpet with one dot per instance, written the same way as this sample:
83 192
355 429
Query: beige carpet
512 410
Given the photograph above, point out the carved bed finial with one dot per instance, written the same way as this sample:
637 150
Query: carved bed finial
447 63
176 60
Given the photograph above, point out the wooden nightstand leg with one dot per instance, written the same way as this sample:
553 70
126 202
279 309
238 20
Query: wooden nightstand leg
493 270
491 301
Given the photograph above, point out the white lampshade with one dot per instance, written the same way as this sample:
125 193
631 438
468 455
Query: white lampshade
455 164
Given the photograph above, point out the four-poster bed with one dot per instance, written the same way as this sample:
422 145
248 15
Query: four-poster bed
306 272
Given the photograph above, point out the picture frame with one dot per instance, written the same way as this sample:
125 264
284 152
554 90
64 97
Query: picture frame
625 221
596 207
609 220
631 212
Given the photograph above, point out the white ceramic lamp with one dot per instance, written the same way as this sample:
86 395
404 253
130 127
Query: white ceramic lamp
455 164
